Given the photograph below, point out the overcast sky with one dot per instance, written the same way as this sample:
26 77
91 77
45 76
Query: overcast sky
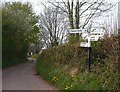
38 7
35 3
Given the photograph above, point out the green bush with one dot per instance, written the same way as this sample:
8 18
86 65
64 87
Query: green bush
66 66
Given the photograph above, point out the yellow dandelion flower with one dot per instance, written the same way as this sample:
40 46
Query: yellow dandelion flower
72 75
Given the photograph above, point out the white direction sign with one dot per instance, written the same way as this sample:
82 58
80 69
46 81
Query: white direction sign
93 38
84 44
74 31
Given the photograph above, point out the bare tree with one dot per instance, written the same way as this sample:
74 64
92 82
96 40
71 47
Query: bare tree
53 27
81 12
82 9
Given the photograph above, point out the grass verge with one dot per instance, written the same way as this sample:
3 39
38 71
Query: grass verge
60 78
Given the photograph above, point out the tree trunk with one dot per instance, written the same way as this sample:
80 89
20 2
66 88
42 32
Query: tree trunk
77 14
77 19
70 15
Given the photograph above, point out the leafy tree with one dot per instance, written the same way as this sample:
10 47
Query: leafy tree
19 29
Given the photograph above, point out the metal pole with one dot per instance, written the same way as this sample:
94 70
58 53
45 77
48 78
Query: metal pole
89 51
89 59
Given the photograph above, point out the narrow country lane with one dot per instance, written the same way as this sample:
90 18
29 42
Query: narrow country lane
21 77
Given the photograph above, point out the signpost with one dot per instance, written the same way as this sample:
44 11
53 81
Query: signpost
86 44
95 38
92 38
74 31
89 51
83 44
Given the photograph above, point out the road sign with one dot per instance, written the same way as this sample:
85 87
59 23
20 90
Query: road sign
84 44
74 31
92 38
97 33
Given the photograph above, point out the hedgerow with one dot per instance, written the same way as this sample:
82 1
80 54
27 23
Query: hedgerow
66 66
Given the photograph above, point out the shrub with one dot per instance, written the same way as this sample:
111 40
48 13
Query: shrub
67 65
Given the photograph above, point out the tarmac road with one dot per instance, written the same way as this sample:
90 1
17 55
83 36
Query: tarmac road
21 77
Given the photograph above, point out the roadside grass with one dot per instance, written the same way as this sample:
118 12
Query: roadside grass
65 66
60 78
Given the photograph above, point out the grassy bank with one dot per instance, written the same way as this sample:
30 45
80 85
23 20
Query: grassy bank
66 66
60 77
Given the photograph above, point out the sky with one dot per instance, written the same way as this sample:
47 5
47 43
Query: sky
38 8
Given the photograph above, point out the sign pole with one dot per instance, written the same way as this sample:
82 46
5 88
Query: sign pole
89 51
89 59
88 45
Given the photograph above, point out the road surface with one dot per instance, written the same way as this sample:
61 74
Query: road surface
21 77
